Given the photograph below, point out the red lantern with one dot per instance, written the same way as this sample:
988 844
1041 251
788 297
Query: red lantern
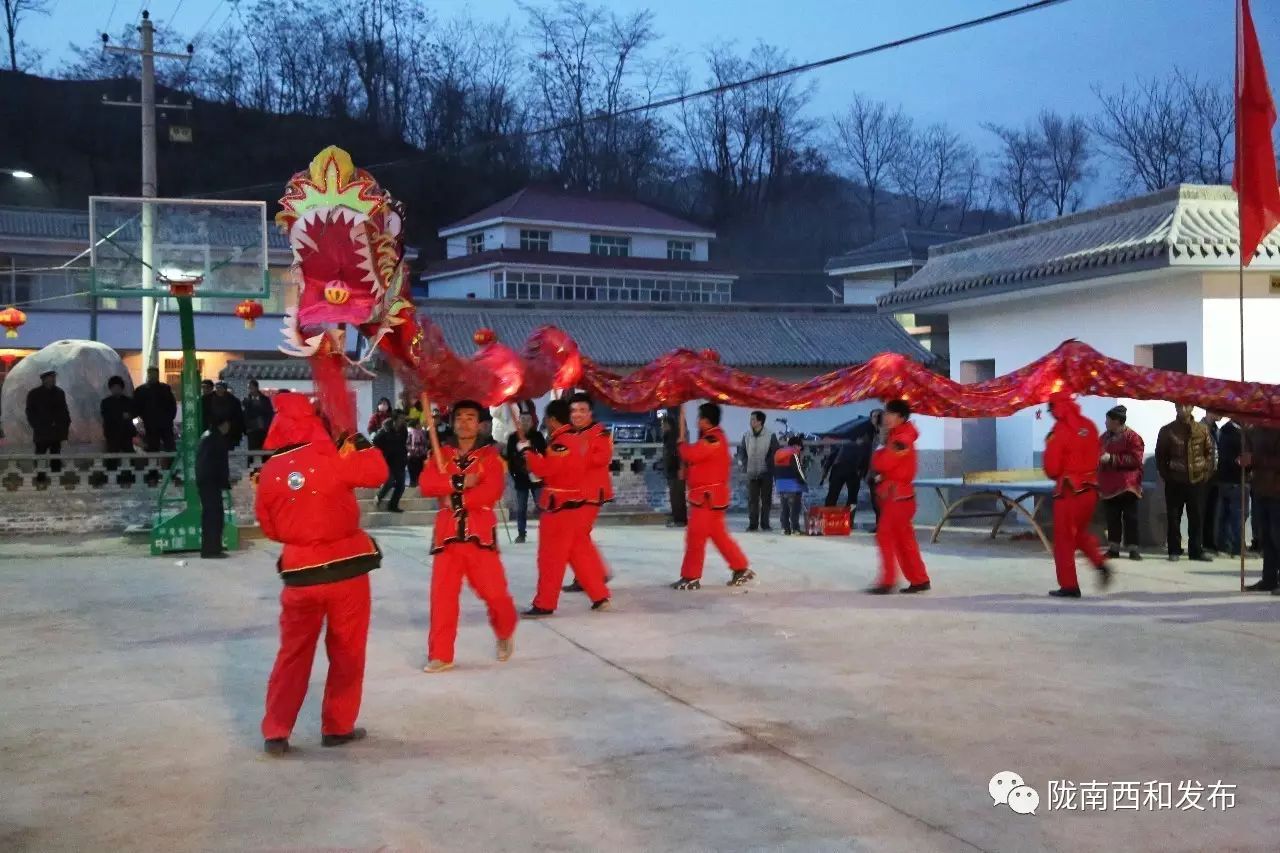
710 355
12 319
484 336
249 310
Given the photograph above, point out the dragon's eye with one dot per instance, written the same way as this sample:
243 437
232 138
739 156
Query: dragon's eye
336 293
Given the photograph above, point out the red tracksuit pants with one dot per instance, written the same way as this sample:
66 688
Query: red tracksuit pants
564 538
898 546
304 610
1072 513
704 524
482 568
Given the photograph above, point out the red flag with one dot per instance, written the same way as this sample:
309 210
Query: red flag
1254 176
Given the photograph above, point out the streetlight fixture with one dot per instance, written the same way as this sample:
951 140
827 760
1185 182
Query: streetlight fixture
20 174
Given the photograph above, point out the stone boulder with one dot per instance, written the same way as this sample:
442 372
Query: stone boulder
83 370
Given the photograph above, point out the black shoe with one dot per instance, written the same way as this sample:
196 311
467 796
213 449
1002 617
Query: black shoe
1201 558
1261 586
917 587
1173 558
786 532
520 539
1113 553
394 509
687 584
1276 591
1134 555
1104 576
879 589
740 577
752 529
573 587
339 740
378 502
602 605
766 528
221 555
275 746
536 613
1065 593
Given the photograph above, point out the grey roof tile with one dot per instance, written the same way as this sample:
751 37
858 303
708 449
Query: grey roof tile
1185 224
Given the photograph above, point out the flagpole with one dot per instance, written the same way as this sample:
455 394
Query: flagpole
1244 495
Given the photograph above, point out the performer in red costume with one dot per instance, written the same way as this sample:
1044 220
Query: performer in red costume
306 501
895 471
707 482
464 545
1071 454
564 533
597 480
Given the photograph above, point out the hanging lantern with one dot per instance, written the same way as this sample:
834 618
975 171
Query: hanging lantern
12 319
483 337
249 310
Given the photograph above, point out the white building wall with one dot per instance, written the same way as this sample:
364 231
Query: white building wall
460 286
863 291
1221 327
1113 316
456 244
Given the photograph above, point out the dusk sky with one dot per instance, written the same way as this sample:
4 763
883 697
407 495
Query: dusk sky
1003 72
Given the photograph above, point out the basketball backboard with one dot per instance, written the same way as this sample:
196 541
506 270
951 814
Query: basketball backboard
220 246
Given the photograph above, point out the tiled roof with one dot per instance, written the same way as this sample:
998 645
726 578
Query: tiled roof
297 369
548 204
573 260
904 245
746 336
1186 225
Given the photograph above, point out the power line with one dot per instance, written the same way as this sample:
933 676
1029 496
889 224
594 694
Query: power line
111 15
176 10
673 100
212 12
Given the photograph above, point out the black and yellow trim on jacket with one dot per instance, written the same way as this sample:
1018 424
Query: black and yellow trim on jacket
460 514
702 498
554 504
333 572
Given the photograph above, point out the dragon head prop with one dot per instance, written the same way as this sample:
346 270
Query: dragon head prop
348 251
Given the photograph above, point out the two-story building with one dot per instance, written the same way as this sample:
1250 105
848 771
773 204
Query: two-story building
869 272
548 244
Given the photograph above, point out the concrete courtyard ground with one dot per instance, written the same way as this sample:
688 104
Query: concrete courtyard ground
797 714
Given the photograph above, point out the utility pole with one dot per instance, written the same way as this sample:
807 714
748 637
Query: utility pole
150 315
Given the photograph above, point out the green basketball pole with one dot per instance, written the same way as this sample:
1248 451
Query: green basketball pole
180 530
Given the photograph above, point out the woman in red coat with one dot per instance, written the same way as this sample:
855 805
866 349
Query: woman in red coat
1071 454
1120 483
895 469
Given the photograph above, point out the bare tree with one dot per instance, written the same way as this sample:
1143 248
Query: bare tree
1065 148
1018 169
974 188
871 137
14 12
746 139
1212 116
1146 130
930 171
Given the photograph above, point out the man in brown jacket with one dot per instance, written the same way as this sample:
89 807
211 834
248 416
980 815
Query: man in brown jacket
1263 460
1184 458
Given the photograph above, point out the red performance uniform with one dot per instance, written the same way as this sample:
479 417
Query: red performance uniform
1071 454
564 531
895 467
306 501
597 480
707 488
464 544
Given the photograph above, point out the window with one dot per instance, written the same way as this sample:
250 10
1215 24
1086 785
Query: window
1170 356
475 243
535 241
597 288
679 250
611 247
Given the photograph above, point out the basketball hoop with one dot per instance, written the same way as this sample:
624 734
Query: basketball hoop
180 285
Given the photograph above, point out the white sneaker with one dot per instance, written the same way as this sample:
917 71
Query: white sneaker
437 666
505 649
